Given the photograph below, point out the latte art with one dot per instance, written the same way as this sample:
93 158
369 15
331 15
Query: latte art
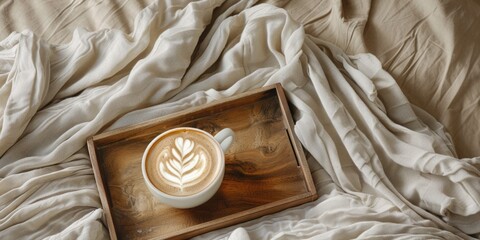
183 162
181 165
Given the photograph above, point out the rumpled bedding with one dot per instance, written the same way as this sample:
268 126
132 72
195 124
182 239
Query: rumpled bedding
384 168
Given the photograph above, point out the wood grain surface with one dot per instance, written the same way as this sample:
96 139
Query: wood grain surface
264 171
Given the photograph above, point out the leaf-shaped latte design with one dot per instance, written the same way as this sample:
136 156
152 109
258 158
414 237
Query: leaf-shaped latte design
184 165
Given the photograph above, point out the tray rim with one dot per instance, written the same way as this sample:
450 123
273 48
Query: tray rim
113 132
234 218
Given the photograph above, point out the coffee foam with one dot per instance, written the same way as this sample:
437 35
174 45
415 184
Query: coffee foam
183 162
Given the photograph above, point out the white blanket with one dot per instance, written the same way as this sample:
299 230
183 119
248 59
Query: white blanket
383 168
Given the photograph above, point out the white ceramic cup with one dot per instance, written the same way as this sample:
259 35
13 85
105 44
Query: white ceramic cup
221 142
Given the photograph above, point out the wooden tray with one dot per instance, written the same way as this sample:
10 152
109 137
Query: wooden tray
265 172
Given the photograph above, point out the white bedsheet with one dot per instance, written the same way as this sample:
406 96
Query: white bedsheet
384 168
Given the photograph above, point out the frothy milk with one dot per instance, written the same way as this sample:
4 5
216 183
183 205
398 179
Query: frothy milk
183 162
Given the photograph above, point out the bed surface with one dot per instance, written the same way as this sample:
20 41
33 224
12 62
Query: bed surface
386 102
440 36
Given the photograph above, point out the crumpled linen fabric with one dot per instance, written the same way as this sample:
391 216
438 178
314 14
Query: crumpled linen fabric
383 167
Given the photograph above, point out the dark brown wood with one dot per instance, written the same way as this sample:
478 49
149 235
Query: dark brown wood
265 172
294 140
101 187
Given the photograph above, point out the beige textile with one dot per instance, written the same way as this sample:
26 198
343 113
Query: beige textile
430 47
384 168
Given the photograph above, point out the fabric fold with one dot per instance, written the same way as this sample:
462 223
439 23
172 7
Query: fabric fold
383 167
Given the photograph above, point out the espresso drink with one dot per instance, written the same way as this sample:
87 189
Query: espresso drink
183 162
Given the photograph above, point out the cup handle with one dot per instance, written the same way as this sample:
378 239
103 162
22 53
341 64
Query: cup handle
225 138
